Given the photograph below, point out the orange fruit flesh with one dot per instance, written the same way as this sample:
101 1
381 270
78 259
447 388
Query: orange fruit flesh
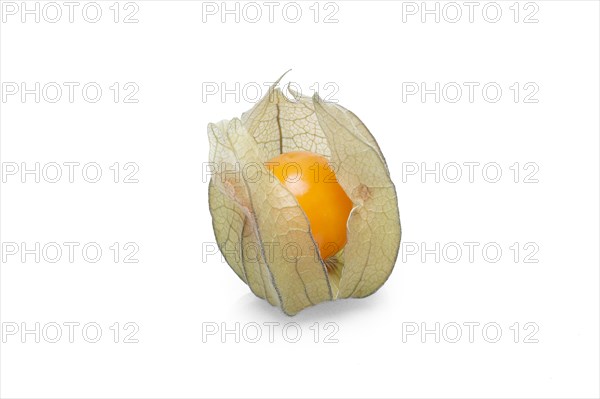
310 178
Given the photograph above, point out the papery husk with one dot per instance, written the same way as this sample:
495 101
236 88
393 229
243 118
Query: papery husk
257 221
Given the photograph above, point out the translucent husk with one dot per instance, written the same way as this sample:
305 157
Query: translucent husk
261 230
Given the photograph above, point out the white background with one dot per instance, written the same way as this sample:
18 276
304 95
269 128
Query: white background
171 55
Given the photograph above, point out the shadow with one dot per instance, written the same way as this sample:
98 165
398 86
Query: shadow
259 310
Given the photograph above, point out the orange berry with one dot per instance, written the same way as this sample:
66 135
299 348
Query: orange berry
312 181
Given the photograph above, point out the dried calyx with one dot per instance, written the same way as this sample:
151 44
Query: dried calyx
260 225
